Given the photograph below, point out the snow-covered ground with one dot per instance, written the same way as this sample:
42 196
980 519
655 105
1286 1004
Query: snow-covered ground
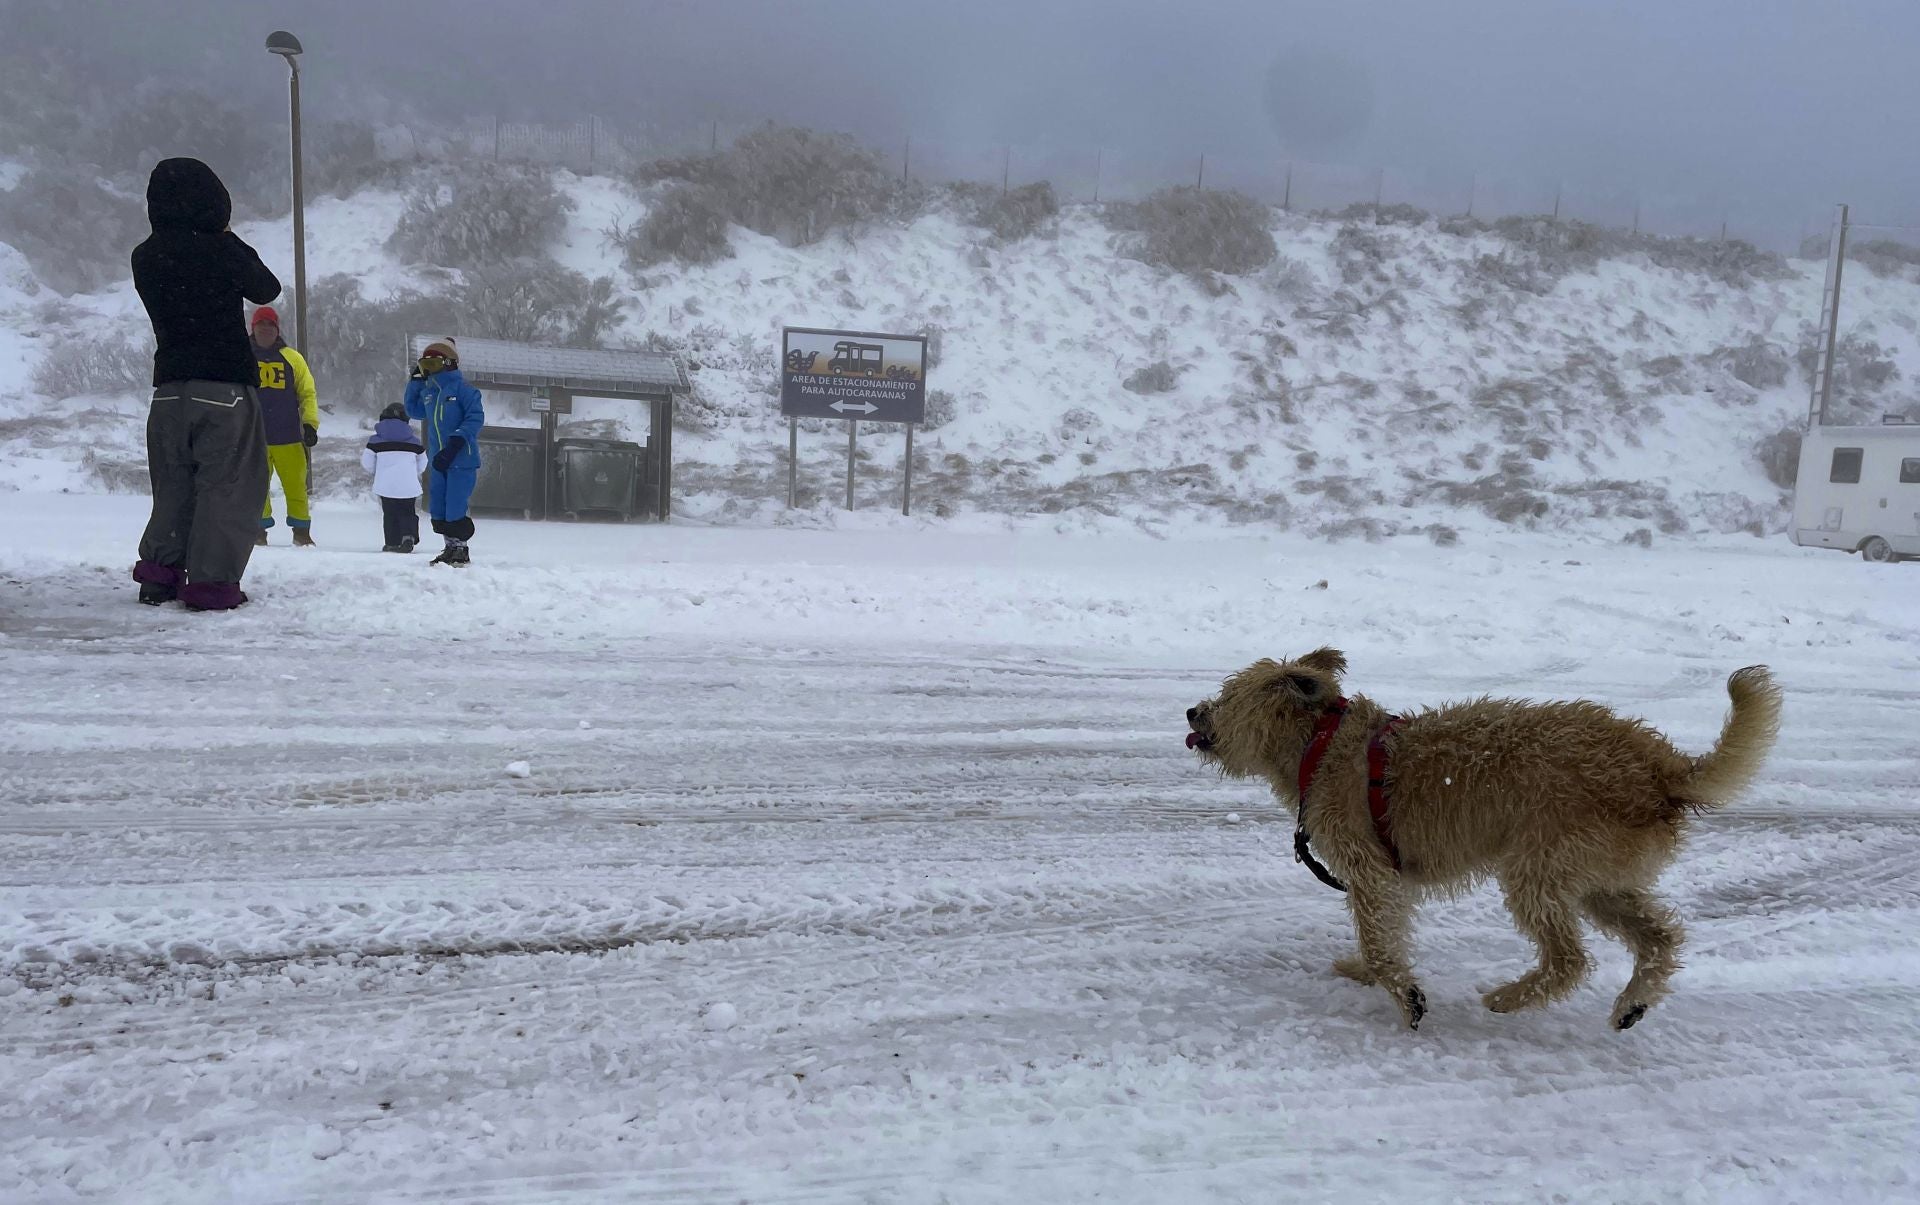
866 864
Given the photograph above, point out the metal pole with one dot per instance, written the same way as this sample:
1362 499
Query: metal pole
851 425
299 217
1006 169
906 161
1473 193
1200 175
546 461
906 495
1286 198
1556 202
1099 169
1833 312
793 462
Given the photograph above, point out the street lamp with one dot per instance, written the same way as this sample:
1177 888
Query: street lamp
287 46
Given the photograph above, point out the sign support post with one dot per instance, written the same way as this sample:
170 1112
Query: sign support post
853 424
793 462
906 493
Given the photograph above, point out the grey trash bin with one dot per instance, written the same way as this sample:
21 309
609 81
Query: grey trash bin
602 475
509 477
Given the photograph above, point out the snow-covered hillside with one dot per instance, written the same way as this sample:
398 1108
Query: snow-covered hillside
1376 378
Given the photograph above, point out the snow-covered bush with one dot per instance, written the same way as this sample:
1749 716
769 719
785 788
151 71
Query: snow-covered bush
1862 369
1196 231
79 366
1362 254
469 214
789 183
1884 256
686 222
75 231
343 157
940 410
536 302
1551 249
1779 455
1157 377
1756 362
358 346
1009 215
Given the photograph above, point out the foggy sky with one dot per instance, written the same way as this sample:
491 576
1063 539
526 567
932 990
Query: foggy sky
1762 103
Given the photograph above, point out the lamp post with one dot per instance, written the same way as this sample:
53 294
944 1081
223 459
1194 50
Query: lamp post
287 46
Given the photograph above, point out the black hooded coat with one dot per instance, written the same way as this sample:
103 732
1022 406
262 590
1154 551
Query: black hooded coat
192 273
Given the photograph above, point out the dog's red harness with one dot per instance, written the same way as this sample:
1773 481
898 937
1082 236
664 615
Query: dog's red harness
1323 733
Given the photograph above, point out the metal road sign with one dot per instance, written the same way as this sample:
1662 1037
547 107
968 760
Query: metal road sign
853 374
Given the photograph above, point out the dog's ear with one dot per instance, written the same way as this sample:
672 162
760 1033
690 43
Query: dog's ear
1326 660
1305 687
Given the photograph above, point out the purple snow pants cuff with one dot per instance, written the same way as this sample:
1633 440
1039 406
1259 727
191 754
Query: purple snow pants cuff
148 573
212 596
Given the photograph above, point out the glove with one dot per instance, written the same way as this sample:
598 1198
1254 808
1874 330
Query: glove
309 435
443 460
414 373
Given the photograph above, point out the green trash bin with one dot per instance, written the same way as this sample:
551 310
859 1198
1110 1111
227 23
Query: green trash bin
509 477
597 476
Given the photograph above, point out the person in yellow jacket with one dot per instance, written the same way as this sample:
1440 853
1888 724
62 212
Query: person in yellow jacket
290 412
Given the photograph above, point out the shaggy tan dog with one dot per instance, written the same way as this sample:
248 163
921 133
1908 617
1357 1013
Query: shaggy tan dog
1572 809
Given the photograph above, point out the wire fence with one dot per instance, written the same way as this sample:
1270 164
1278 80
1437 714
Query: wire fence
1093 175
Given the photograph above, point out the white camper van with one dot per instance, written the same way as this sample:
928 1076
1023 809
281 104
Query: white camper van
1859 491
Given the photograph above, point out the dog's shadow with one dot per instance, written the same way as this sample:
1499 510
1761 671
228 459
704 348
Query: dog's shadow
1269 982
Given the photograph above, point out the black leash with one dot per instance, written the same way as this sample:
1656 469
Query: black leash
1302 852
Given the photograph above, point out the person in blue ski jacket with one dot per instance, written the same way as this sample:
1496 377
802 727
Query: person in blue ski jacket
453 417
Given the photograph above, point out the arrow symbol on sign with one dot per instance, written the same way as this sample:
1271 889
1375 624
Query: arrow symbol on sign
863 407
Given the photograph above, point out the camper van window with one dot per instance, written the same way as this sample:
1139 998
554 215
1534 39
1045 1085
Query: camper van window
1846 466
1910 471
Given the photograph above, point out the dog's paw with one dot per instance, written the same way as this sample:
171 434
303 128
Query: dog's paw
1413 1006
1627 1016
1354 967
1520 994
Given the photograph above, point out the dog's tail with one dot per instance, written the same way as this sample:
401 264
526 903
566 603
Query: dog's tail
1744 741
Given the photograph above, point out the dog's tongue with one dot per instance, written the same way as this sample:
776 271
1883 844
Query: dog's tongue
1193 739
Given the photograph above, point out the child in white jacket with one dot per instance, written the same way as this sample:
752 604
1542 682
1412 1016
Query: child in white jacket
396 458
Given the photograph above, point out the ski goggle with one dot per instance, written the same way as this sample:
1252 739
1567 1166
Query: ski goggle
431 364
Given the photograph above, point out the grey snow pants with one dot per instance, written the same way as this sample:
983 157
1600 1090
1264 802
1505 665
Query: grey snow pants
207 458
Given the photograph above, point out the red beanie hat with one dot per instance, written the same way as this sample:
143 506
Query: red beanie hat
265 313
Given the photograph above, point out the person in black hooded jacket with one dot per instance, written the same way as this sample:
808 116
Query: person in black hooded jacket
206 451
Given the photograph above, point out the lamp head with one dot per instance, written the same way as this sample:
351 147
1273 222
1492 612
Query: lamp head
283 43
